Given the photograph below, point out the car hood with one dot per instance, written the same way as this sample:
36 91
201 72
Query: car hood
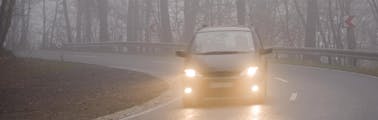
224 62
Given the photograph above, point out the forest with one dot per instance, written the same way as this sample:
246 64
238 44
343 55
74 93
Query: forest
38 24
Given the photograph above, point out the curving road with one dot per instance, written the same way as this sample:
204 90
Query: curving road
295 92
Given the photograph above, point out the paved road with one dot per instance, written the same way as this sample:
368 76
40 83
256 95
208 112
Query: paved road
295 92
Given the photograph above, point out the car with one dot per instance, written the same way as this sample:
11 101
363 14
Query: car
224 62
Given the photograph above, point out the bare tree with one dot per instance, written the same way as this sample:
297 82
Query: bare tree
311 23
102 6
6 10
67 20
166 34
300 14
87 10
241 11
321 22
148 18
287 19
44 32
132 20
26 5
79 19
54 25
374 9
334 26
190 15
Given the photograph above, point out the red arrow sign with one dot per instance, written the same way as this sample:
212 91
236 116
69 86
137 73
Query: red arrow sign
349 22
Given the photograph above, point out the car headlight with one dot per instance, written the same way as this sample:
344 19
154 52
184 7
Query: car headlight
188 90
255 88
190 73
251 71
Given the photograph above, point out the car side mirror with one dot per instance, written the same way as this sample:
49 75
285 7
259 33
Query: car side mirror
181 54
265 51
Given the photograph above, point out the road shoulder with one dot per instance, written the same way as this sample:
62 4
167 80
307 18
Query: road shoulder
42 89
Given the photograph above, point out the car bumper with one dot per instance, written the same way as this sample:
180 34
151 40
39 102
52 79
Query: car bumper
223 87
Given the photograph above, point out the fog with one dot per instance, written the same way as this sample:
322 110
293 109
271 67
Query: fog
290 23
188 59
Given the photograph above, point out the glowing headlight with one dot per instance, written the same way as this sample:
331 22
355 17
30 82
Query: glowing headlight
188 90
251 71
255 88
190 73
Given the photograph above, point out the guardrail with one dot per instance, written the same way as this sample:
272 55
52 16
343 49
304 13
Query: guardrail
349 60
307 56
322 52
127 47
170 48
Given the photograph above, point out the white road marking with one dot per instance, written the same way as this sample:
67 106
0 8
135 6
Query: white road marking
293 97
281 79
151 109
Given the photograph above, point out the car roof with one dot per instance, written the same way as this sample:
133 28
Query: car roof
211 29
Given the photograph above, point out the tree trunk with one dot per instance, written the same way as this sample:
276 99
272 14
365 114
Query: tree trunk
54 24
44 34
300 15
131 20
311 23
148 16
79 19
310 28
68 23
374 8
103 18
6 10
241 11
287 29
88 20
13 35
190 15
25 24
166 35
333 26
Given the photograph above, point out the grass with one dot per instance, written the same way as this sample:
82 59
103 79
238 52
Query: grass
44 90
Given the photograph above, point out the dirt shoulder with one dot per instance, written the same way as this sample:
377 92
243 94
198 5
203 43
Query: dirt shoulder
43 90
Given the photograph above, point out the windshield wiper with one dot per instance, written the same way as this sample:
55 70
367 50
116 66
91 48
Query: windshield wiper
222 52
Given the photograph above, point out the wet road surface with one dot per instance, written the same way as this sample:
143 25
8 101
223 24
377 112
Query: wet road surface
294 92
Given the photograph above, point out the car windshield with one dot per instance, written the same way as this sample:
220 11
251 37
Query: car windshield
223 41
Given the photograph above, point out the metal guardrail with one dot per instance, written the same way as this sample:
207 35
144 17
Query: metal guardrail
357 54
127 47
352 60
349 60
170 48
145 44
359 61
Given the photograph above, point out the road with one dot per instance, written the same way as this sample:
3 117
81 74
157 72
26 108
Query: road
295 92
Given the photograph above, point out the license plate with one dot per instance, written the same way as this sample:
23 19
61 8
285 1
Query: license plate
221 85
